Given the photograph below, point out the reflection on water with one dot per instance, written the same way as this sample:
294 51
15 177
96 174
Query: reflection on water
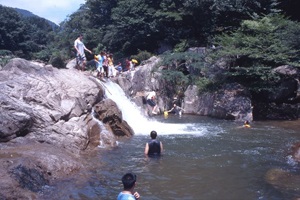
227 162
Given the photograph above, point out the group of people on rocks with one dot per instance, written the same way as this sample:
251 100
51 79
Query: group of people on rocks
104 61
105 65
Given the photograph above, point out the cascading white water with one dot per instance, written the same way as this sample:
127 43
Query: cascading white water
104 131
141 124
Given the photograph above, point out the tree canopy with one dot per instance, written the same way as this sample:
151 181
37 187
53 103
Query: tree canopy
156 26
126 27
24 35
266 40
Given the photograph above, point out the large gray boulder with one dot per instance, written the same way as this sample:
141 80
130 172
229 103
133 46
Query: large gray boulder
198 104
232 102
46 123
46 104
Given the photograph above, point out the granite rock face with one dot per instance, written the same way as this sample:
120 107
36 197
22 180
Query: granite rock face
46 122
231 102
46 104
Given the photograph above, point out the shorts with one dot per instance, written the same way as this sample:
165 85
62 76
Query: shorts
100 69
144 100
80 59
119 69
151 102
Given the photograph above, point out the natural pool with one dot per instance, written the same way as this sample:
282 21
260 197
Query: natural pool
204 158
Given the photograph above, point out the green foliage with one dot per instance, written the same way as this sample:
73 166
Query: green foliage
264 40
25 36
5 56
184 61
142 55
57 61
12 29
43 55
4 52
130 25
180 70
181 46
205 84
175 82
258 46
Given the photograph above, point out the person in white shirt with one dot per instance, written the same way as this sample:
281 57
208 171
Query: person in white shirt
80 55
150 101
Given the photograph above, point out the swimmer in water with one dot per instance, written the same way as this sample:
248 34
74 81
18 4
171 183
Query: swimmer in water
246 124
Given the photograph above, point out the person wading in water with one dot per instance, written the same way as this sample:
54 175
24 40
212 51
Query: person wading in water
153 147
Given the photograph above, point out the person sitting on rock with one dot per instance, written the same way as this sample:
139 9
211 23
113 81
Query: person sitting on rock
178 110
150 101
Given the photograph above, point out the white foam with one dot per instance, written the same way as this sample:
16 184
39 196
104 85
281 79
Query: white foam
140 123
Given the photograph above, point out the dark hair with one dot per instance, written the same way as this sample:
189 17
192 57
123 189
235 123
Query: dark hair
153 134
128 180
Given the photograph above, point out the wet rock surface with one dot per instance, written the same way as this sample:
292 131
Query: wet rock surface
108 112
28 166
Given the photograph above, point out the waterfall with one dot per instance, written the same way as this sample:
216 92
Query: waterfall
104 132
139 122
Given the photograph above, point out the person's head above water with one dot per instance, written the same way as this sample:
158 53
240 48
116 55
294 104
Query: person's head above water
153 134
128 181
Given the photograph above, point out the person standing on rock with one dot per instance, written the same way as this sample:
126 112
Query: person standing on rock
110 66
80 55
128 180
105 65
127 65
99 63
153 147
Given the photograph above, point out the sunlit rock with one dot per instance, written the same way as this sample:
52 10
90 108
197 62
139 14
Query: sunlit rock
108 112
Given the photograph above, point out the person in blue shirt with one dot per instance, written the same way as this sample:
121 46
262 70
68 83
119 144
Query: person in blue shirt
128 193
99 63
119 68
